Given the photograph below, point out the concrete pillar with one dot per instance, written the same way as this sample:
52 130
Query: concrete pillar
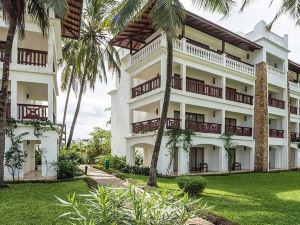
182 115
130 156
261 127
183 162
163 72
14 98
224 87
223 160
49 145
50 101
50 49
14 55
183 74
223 121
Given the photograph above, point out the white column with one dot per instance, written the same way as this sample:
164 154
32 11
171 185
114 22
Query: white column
14 98
223 160
183 161
183 74
130 156
14 55
50 101
50 49
50 151
182 115
163 72
223 121
224 87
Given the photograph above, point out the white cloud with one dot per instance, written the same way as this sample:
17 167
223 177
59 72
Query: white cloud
94 103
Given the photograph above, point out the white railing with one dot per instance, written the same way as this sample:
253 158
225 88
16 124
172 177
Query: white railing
275 39
190 49
294 86
147 50
239 66
204 54
276 71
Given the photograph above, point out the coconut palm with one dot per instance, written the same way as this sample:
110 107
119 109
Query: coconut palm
14 12
95 56
167 15
69 76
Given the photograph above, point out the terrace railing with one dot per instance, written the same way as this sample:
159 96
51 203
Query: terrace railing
32 57
34 112
203 89
276 133
153 124
239 131
203 127
276 103
293 110
146 87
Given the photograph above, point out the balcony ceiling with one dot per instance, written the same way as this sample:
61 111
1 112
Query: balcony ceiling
134 35
294 66
71 23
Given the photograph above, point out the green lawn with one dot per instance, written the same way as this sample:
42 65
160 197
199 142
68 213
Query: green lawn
35 204
249 199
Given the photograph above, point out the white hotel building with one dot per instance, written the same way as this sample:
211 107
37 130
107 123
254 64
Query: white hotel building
33 88
222 82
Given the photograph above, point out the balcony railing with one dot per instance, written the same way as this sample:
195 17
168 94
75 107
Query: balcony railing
276 133
212 128
294 137
196 51
146 87
203 89
239 97
34 112
295 86
32 57
152 125
276 103
176 82
239 131
276 71
293 110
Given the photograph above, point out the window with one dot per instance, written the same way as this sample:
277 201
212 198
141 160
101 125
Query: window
193 117
230 122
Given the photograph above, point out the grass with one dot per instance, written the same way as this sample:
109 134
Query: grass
249 199
35 203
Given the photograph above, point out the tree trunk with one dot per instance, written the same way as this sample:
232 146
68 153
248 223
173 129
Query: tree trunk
4 93
82 85
163 118
66 108
76 111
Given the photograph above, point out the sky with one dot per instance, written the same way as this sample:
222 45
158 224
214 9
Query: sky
94 103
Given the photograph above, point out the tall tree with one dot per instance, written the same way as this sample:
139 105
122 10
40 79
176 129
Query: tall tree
14 13
169 16
95 55
69 78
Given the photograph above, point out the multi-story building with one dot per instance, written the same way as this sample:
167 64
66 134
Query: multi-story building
222 82
33 86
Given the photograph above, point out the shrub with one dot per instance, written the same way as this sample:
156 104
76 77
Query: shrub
66 169
71 155
192 185
138 170
128 206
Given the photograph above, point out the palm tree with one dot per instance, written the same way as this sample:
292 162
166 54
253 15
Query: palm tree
167 15
14 12
95 55
69 77
291 7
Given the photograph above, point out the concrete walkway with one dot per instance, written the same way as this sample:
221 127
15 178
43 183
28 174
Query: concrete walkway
103 178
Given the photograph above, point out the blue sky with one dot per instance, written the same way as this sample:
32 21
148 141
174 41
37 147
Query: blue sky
94 103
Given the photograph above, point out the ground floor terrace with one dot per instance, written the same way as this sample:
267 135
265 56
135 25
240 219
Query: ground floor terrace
40 154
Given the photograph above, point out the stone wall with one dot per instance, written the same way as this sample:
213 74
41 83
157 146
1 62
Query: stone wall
261 125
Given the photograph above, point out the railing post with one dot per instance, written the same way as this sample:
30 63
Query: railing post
224 59
183 44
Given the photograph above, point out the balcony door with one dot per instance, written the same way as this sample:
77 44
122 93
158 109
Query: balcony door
230 122
196 157
194 117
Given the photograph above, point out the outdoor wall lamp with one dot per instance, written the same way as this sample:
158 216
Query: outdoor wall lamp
246 89
214 147
245 117
214 80
214 113
245 148
248 56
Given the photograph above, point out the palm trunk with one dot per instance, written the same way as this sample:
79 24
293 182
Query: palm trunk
163 118
4 94
82 85
66 108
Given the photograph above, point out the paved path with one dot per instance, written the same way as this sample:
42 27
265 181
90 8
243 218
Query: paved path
103 178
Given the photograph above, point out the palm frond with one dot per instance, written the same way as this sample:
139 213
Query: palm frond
221 6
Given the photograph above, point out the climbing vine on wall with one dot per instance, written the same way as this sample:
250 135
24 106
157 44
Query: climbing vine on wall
178 138
15 157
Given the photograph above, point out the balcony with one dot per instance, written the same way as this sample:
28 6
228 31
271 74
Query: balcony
146 87
239 97
152 125
201 127
294 110
275 71
197 86
27 56
239 131
276 133
195 51
276 103
32 112
295 86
